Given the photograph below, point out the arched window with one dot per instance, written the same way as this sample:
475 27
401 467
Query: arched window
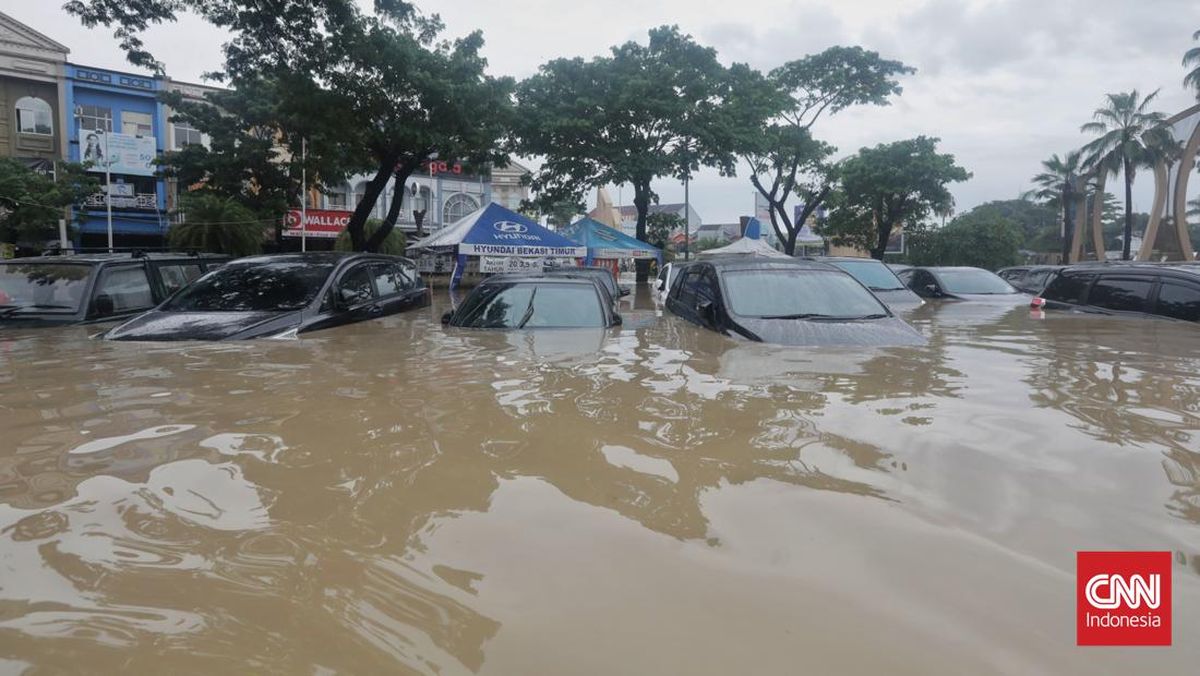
457 206
34 116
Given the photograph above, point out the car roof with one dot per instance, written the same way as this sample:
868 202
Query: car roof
531 278
756 263
844 259
105 257
318 257
938 268
1136 267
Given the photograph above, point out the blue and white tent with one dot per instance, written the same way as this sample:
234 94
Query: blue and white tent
750 244
603 242
494 233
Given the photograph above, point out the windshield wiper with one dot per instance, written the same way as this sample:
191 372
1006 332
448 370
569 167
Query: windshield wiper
528 310
804 315
874 316
885 288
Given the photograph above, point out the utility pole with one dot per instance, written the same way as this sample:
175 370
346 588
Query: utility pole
687 219
304 194
1068 224
108 189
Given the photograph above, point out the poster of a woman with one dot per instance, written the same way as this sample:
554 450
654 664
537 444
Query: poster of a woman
93 152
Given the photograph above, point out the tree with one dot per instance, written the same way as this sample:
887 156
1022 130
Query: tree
1130 136
377 92
32 202
1191 58
394 244
784 157
1037 225
660 227
979 238
645 111
218 224
889 185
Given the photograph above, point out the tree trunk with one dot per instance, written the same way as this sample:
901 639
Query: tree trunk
641 200
883 234
356 226
1128 213
774 207
389 221
810 206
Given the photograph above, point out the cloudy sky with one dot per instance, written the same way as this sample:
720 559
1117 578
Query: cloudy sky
1003 83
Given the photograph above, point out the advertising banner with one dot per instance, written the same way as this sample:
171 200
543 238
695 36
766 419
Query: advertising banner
117 153
318 223
519 264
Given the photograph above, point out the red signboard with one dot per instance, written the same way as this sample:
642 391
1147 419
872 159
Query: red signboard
318 223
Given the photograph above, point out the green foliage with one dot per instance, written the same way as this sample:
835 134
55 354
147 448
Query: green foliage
31 203
665 108
1191 58
889 185
394 244
784 158
377 92
1037 224
218 224
1056 172
1130 136
660 226
979 238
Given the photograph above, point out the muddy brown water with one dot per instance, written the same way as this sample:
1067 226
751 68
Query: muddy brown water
396 497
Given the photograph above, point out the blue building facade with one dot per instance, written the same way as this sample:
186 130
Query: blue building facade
121 109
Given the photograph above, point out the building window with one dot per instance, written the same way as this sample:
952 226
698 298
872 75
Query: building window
94 118
458 206
34 116
136 124
187 135
335 199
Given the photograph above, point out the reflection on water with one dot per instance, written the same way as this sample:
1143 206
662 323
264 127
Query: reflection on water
398 496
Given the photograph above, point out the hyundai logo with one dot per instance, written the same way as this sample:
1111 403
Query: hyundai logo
509 226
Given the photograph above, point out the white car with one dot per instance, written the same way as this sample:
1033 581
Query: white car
666 275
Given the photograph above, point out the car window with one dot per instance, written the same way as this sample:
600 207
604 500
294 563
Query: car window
411 274
689 286
175 277
355 286
973 281
1037 278
511 306
390 279
1067 288
1178 301
872 274
922 278
279 286
122 289
1122 294
43 286
790 293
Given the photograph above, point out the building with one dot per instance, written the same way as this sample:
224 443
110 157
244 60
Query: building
723 233
180 134
629 216
32 117
508 185
118 126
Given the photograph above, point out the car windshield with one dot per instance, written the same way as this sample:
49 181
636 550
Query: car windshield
973 281
42 287
602 276
799 294
271 286
874 275
525 305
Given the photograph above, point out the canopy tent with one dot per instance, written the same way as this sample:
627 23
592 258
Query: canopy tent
495 232
603 241
605 212
748 245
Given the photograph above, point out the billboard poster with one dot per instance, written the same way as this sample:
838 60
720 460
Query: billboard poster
318 223
117 153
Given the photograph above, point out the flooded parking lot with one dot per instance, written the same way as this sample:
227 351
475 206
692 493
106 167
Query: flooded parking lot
394 496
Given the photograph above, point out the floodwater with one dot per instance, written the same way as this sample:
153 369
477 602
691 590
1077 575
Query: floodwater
396 497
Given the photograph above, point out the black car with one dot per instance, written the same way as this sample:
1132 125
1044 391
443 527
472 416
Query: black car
1171 291
545 301
281 295
792 302
961 283
603 276
877 277
1029 278
54 290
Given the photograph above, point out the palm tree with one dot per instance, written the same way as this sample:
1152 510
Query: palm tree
1192 58
1130 137
1057 172
1194 208
219 225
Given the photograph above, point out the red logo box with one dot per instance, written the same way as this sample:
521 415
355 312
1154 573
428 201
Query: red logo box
1123 598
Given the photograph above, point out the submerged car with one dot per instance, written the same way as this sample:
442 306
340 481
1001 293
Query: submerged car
1029 278
602 276
281 295
546 301
792 302
879 278
667 273
961 283
1171 291
55 290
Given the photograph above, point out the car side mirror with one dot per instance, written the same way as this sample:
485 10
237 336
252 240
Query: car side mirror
617 321
446 317
707 311
933 290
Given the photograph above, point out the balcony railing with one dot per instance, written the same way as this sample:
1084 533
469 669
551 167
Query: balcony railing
146 201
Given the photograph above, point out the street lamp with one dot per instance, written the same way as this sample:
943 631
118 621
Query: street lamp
418 207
